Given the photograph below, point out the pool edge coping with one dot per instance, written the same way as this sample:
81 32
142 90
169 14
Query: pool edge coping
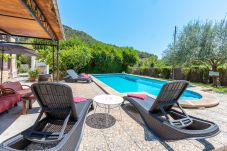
207 100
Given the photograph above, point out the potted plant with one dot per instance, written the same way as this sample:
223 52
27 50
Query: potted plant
33 75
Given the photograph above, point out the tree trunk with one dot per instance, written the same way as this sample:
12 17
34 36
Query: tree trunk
215 78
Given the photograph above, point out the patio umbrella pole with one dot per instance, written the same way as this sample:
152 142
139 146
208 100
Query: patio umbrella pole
58 61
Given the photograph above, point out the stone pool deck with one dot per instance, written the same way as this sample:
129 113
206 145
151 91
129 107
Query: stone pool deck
128 134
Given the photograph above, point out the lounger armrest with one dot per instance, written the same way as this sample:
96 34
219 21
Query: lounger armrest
6 91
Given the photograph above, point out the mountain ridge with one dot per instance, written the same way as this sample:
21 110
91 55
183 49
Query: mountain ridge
86 38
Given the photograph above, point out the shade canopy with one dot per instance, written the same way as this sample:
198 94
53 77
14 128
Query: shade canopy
31 18
16 49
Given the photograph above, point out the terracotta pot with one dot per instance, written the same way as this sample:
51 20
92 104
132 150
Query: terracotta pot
32 79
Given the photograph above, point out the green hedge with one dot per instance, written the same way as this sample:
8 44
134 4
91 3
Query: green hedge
193 74
196 74
164 72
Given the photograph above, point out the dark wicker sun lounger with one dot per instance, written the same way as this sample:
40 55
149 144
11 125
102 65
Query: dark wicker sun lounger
168 123
74 77
59 125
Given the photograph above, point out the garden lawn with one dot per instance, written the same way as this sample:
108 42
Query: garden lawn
217 89
222 89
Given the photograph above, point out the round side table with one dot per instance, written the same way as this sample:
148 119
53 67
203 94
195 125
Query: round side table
107 101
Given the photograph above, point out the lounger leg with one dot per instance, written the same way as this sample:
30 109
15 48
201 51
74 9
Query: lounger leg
92 107
120 112
95 108
123 103
108 109
106 112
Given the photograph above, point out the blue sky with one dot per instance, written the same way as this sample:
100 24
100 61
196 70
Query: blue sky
146 25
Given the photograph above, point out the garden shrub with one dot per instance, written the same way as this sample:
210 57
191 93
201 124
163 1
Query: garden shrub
165 72
196 74
157 72
223 74
186 72
23 70
193 74
130 70
143 70
149 72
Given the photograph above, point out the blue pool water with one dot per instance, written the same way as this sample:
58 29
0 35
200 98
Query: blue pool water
125 83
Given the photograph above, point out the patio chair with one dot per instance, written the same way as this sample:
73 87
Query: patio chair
62 126
74 77
168 123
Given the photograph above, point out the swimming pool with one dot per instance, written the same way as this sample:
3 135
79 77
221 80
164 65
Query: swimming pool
125 83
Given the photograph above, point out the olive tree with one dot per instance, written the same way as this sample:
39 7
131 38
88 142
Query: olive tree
198 43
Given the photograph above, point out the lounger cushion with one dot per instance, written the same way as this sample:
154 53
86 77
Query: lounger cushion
16 86
78 99
145 104
13 85
13 98
8 98
149 104
137 95
5 105
85 75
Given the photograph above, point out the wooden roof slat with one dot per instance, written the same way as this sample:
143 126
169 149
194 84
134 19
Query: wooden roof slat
15 19
13 8
22 27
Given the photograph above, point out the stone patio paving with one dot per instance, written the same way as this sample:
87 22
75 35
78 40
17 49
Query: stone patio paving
128 134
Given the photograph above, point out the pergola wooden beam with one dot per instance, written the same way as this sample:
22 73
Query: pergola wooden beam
5 32
36 13
30 43
31 18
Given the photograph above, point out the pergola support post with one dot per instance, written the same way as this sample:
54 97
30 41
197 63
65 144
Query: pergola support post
53 62
2 66
57 61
